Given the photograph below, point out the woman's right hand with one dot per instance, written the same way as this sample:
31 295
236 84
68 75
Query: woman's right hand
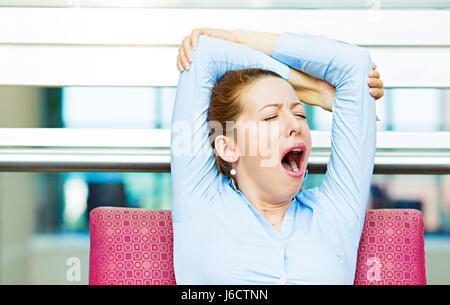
185 55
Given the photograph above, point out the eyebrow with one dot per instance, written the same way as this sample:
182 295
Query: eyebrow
279 104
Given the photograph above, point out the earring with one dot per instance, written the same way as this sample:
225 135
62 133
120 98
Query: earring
233 171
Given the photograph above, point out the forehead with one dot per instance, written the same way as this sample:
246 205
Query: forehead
268 90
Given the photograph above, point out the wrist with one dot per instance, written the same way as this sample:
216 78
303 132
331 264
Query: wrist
309 97
260 41
306 87
239 35
302 81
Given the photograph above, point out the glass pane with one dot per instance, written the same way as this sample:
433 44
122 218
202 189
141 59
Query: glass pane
119 107
416 109
45 218
400 109
86 107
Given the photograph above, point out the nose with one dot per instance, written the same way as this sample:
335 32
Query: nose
294 125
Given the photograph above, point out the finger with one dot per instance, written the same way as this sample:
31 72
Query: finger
378 119
187 48
376 93
184 60
195 33
375 83
374 74
179 66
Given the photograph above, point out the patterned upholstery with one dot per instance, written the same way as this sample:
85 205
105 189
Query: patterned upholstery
135 247
391 249
131 247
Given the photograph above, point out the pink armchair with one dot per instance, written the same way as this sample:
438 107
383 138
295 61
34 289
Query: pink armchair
135 247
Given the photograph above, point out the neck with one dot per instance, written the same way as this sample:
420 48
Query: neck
272 210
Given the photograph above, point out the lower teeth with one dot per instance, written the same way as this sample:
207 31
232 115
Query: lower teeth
294 166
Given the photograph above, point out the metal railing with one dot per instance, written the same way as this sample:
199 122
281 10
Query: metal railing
158 160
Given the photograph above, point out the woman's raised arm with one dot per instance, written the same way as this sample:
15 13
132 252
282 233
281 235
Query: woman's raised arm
345 188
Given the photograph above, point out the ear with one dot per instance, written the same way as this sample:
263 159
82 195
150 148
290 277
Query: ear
226 149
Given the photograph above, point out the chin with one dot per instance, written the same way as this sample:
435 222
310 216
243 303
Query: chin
292 185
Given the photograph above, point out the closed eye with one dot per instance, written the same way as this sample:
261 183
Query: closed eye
272 117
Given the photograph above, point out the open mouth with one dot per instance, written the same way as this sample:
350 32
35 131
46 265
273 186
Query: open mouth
292 160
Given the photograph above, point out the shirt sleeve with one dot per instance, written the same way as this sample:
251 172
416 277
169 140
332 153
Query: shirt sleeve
195 178
345 188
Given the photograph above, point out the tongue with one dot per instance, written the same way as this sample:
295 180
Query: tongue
291 157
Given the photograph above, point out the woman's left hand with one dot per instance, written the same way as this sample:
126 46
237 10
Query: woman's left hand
327 91
185 55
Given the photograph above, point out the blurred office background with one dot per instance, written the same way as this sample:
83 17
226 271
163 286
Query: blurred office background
101 65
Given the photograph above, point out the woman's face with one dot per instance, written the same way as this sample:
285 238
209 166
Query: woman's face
271 124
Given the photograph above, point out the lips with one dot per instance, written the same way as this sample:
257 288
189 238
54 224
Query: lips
292 159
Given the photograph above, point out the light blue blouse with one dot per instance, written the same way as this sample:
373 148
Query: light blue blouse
219 237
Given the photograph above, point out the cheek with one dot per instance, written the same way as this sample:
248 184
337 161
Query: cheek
242 140
266 140
308 138
259 145
256 139
269 145
308 142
